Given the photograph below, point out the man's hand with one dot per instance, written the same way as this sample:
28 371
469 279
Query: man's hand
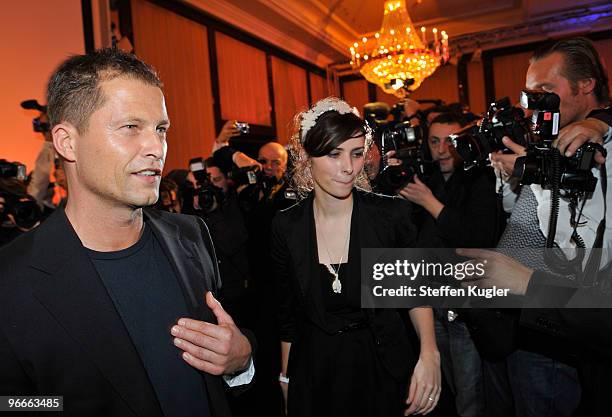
2 201
504 163
420 194
411 107
228 131
576 134
218 349
500 270
242 160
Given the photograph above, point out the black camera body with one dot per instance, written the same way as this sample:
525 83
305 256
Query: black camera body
23 208
543 164
12 170
209 196
399 136
257 184
474 143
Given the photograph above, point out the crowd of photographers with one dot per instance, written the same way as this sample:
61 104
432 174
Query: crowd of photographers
533 175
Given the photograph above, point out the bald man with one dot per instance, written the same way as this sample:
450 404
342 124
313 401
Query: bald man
273 158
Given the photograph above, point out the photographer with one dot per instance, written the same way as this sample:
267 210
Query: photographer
458 206
217 204
19 212
572 69
47 194
262 193
455 208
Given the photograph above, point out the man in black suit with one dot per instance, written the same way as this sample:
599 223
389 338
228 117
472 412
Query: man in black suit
108 303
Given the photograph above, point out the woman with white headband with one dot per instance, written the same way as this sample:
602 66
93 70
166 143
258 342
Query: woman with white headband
337 358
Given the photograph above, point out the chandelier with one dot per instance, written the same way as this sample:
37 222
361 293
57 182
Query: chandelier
396 58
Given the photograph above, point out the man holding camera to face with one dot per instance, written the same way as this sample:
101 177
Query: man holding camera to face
216 201
546 373
262 190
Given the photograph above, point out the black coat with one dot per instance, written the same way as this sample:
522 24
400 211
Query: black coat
585 331
382 222
469 218
60 333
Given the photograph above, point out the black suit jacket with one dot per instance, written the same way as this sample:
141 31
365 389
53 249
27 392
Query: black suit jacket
586 331
378 222
60 333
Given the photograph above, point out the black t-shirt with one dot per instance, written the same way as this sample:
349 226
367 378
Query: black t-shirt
144 288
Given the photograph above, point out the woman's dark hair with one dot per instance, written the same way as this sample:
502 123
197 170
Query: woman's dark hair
331 130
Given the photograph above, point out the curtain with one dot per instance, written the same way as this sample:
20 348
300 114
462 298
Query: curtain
442 84
318 87
509 73
604 47
158 33
476 90
243 81
290 95
356 93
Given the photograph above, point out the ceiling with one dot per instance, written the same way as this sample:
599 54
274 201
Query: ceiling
321 31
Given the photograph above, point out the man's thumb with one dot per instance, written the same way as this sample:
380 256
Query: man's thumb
217 309
514 147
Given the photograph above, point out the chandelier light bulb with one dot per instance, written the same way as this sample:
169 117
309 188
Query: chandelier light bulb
397 52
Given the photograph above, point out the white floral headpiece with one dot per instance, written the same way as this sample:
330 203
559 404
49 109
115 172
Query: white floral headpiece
309 118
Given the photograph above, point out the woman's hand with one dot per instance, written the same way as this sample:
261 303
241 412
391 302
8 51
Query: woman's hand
425 384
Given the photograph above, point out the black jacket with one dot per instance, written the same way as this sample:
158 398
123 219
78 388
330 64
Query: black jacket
586 331
60 333
469 217
382 222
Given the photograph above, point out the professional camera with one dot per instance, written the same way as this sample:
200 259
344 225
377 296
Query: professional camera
403 138
255 180
12 170
37 124
209 196
20 205
542 163
474 143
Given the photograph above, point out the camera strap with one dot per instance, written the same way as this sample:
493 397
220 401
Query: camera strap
591 270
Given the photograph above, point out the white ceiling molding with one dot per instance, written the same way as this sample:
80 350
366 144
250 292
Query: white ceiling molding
234 15
309 15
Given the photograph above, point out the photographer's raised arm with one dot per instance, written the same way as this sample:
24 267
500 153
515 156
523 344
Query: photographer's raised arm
228 131
595 129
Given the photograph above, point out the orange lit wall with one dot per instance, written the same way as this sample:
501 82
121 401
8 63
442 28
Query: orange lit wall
36 36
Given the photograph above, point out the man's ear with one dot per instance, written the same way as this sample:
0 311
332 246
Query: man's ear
64 140
586 86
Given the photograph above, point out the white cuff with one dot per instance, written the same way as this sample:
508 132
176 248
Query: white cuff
243 378
608 135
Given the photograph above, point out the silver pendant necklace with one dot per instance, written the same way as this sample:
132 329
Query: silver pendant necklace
336 284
